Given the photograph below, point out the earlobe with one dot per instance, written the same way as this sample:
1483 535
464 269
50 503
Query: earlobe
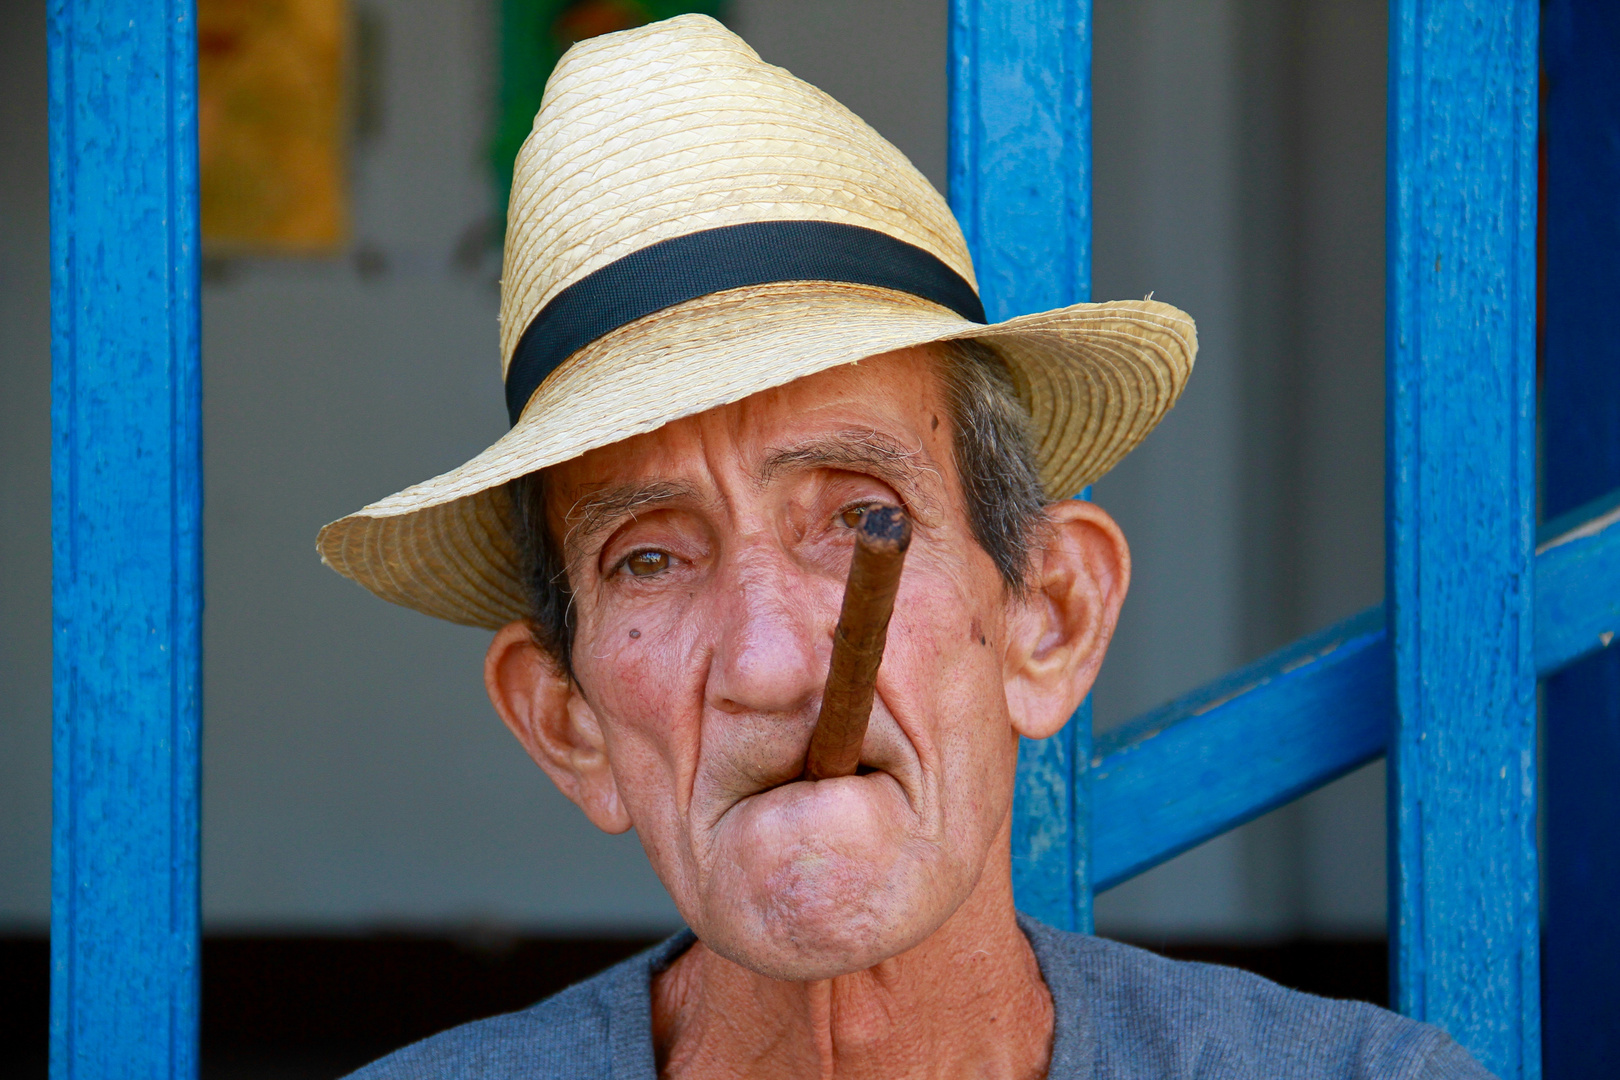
543 707
1061 631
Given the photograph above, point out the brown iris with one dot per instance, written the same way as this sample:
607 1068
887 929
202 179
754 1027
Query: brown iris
645 563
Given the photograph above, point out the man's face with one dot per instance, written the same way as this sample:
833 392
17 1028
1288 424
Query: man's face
707 561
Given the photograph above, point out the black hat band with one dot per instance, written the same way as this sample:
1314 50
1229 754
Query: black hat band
686 267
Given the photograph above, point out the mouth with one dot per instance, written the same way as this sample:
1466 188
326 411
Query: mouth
798 779
798 789
782 820
766 775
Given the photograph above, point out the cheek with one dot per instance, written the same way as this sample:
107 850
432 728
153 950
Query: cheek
643 674
629 647
944 671
642 671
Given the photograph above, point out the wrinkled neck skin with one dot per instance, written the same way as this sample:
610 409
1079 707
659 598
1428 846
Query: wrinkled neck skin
968 1000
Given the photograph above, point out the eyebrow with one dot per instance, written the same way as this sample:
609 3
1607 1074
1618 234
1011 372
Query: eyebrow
901 467
862 450
597 511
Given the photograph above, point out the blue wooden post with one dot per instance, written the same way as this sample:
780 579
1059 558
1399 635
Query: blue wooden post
125 518
1581 447
1020 183
1460 489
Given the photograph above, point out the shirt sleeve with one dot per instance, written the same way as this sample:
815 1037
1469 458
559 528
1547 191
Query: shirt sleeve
1449 1061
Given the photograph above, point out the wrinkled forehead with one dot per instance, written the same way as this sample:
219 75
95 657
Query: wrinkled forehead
885 416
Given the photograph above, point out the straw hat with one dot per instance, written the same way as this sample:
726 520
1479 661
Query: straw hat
690 225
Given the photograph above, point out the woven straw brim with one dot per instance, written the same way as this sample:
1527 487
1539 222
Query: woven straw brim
1095 377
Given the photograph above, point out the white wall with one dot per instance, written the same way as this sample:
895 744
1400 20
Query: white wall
1238 150
1165 206
354 774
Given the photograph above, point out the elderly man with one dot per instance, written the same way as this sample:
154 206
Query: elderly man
734 322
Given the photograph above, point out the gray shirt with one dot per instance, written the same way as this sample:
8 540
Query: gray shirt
1121 1012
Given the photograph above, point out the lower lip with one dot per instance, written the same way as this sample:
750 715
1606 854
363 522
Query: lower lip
819 797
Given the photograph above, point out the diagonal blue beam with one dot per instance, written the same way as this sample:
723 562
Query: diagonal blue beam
1238 747
1578 585
1292 721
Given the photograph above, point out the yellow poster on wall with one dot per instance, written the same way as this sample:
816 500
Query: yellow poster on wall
271 125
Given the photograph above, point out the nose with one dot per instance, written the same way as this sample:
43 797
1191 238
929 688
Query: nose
770 656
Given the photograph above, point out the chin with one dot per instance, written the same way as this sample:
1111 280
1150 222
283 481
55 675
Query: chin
815 933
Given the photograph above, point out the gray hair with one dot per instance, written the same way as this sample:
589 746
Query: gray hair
1001 488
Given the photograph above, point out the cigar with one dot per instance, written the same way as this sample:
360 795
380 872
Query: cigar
863 629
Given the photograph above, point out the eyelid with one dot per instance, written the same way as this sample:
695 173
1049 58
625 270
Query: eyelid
890 496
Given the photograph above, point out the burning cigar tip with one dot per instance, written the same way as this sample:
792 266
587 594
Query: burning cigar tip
886 525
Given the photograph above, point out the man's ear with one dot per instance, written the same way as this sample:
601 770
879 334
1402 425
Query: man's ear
1060 631
543 707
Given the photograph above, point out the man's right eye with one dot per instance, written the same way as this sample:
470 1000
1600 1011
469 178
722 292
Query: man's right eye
647 563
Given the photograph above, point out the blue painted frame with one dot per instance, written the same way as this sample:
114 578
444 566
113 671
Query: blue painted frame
1460 523
126 500
1456 715
1461 491
1020 184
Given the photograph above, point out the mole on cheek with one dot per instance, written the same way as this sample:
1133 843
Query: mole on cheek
935 425
635 633
976 630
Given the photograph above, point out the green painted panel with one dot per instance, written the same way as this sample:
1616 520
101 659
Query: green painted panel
534 35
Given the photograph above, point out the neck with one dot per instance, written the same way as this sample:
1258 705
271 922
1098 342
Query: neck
968 1001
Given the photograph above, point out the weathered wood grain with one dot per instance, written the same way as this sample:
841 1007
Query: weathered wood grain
1020 184
1460 491
126 501
1580 411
